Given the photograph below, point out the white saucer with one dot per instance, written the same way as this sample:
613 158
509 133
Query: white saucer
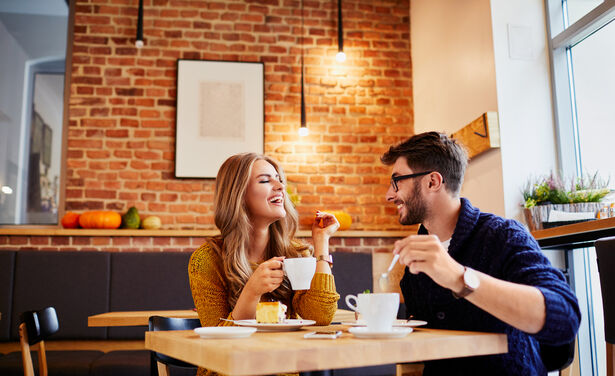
287 325
224 331
362 332
396 323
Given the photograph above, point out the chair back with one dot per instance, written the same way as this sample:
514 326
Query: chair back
35 327
40 324
557 357
605 252
159 323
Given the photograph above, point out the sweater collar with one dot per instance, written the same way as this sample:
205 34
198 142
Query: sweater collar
468 217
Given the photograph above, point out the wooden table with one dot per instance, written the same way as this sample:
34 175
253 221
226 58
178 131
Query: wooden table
577 235
136 318
141 318
271 353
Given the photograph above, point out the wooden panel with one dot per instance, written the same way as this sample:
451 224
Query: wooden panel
278 352
480 135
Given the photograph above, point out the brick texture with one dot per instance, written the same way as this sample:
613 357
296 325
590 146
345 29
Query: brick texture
163 244
121 137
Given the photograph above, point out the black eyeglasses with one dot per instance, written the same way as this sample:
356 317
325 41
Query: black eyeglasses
395 179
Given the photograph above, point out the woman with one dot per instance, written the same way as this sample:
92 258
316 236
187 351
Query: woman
231 273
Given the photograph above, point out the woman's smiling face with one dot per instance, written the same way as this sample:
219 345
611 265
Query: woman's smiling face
265 193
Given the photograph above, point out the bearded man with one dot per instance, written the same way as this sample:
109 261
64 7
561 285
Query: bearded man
469 270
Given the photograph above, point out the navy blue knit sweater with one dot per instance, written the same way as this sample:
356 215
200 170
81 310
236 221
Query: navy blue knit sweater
505 250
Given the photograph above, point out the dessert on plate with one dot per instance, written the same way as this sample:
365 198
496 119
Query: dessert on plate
270 312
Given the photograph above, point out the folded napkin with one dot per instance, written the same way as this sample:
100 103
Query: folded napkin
562 216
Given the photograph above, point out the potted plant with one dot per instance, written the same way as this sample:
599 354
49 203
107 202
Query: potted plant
581 194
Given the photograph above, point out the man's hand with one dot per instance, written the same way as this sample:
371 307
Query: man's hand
425 253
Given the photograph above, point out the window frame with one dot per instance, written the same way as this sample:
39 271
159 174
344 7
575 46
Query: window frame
562 85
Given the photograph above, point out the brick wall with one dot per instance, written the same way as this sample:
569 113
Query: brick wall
122 102
163 243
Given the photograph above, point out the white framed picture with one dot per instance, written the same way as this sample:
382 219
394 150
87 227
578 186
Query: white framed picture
220 112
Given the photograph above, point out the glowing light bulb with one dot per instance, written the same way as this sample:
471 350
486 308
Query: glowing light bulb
139 43
303 131
6 190
340 57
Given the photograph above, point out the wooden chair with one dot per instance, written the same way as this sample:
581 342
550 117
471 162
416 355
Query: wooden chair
605 252
34 328
161 362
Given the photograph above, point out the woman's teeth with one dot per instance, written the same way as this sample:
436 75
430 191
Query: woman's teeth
276 200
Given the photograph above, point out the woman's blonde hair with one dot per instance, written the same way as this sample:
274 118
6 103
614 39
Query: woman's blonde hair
231 218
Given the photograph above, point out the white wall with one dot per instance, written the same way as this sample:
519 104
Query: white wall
525 108
462 67
454 82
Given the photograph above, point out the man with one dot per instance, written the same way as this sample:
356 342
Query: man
469 270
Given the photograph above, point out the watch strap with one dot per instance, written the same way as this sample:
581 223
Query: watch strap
328 259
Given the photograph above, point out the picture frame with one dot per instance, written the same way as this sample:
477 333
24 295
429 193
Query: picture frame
47 144
220 112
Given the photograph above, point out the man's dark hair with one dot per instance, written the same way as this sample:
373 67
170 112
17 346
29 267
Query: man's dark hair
432 151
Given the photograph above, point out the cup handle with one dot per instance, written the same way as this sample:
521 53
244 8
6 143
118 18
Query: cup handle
349 304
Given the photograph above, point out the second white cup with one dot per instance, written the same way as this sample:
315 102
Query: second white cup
300 271
379 310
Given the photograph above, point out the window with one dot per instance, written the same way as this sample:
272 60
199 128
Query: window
593 76
583 81
33 37
576 9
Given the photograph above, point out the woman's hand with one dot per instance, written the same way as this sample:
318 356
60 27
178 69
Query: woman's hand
267 277
325 224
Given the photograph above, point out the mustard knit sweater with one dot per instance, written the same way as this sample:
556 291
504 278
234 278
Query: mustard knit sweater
208 285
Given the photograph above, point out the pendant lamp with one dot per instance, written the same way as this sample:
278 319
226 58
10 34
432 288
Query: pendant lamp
341 56
139 42
303 130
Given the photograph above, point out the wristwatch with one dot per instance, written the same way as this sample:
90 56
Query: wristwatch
328 259
470 283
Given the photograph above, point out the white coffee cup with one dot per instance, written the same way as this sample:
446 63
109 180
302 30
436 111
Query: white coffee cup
379 310
300 271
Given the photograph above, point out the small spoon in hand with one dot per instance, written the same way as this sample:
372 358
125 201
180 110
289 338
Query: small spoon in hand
384 277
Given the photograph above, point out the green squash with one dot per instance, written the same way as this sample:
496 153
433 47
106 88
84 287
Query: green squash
131 219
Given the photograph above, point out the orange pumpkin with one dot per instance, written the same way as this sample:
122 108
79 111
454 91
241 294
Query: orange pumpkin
70 220
342 217
100 219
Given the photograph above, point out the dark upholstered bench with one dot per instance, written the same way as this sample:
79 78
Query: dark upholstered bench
80 284
353 275
67 362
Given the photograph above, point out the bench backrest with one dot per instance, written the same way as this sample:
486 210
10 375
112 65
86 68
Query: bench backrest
82 283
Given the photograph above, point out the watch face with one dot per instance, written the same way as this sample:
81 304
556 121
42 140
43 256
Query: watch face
470 278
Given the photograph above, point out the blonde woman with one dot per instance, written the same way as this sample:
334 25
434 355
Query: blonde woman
231 273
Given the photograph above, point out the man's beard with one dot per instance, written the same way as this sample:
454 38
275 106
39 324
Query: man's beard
415 208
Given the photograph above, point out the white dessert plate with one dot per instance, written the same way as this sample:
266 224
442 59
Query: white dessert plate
224 332
286 326
362 332
396 323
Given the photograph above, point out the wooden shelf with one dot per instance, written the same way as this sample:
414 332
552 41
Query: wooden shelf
182 233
